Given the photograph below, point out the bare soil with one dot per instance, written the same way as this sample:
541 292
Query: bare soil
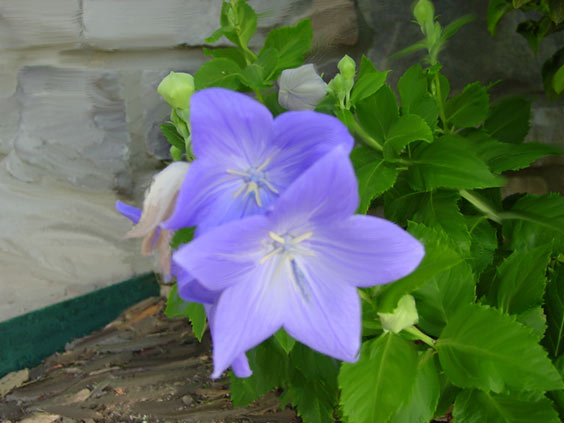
143 367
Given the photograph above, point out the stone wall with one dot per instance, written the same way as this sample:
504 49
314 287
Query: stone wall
79 113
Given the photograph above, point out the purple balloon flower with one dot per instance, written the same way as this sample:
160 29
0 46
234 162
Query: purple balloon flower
298 266
245 157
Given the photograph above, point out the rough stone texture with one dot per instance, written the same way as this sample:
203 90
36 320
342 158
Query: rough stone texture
58 241
110 24
90 147
25 23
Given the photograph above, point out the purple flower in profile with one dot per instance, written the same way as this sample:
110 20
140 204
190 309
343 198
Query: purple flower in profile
298 266
245 157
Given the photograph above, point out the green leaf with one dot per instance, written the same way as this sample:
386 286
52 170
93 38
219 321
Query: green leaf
420 45
172 136
453 27
218 33
521 280
420 408
497 9
469 108
554 308
501 156
374 388
252 76
517 4
549 70
197 316
313 387
558 80
439 299
508 120
291 42
284 340
449 163
556 11
440 208
312 401
439 256
535 319
247 22
377 113
221 72
182 236
472 406
177 307
368 82
415 98
374 175
267 60
483 242
269 365
231 53
403 316
483 348
405 130
535 220
535 31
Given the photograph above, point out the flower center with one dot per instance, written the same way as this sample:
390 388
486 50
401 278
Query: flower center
287 245
254 178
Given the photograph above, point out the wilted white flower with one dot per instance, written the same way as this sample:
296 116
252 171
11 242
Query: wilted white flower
158 206
301 88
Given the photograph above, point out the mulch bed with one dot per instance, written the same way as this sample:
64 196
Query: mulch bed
143 367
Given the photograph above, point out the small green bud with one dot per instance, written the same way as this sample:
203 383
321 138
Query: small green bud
176 89
176 153
347 67
403 316
424 13
337 84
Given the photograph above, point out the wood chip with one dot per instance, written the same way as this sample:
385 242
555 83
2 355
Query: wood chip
40 418
13 380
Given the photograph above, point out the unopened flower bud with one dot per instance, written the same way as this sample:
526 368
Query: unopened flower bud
176 89
301 88
158 206
424 13
338 86
347 67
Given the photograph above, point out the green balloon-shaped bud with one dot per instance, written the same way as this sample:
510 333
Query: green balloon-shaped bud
347 67
424 13
176 89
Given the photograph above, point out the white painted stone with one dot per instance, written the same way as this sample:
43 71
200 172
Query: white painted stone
118 25
111 24
58 241
32 23
72 126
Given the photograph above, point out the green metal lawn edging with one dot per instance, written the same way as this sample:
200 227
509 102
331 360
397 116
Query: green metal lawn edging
27 339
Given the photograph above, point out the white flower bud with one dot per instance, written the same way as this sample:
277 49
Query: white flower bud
301 88
159 203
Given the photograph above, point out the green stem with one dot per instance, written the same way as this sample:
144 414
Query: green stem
259 96
481 205
439 98
421 336
368 140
